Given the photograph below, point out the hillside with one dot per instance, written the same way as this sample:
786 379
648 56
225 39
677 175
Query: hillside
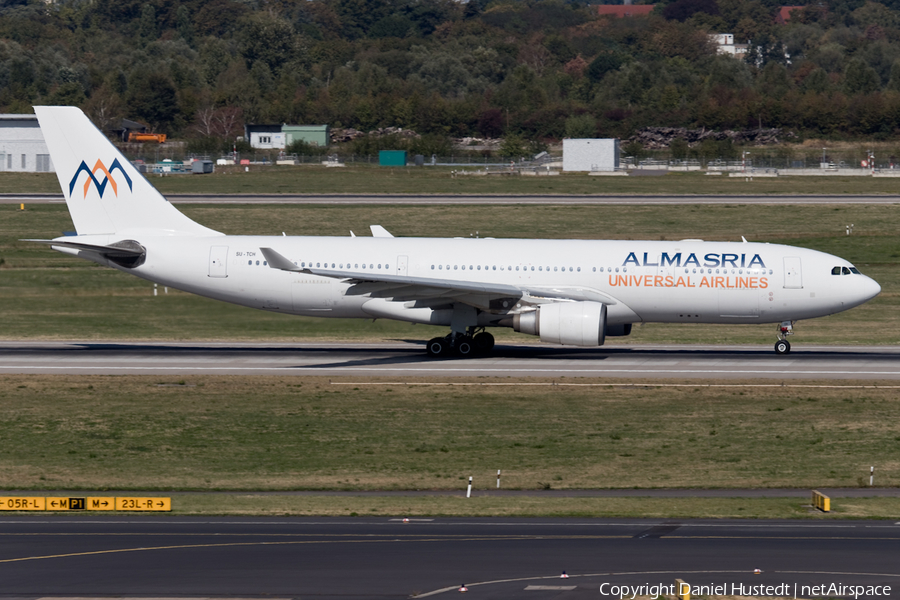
528 70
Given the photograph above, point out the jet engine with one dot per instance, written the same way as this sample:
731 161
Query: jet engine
569 323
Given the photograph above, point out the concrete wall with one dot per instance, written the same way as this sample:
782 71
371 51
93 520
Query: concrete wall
22 146
591 154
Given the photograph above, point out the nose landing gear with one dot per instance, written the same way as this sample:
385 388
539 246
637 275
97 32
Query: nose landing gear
782 346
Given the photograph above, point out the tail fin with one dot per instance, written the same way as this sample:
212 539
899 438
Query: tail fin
104 192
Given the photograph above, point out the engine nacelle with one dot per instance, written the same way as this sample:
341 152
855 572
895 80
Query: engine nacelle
569 323
620 330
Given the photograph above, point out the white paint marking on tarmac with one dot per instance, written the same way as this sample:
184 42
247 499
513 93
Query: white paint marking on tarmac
550 588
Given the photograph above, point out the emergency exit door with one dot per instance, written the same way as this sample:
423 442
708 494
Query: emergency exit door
218 261
793 276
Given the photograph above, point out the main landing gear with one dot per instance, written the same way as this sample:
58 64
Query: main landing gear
472 343
782 346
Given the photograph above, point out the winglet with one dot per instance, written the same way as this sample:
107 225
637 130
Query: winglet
379 231
277 261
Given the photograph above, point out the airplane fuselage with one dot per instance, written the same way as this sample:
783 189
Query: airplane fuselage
643 281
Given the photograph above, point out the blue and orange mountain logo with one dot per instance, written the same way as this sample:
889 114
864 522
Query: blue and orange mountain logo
92 178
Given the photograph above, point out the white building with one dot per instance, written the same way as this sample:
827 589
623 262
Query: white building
591 155
725 44
265 137
22 146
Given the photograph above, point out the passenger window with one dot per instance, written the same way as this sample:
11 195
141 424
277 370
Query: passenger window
432 267
249 262
836 271
845 271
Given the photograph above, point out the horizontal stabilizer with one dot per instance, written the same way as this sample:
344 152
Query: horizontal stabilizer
127 253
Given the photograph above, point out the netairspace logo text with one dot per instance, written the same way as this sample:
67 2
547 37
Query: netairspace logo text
832 590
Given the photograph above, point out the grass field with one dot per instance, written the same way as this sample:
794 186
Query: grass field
530 506
269 433
44 294
365 179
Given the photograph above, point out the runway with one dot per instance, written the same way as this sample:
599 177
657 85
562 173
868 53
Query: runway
464 199
383 557
408 359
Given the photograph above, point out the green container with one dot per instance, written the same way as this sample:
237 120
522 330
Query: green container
392 158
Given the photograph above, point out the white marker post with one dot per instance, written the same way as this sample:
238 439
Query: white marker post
871 476
469 491
154 289
498 479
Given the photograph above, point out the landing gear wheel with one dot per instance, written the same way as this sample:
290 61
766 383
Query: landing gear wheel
465 346
484 342
437 347
782 347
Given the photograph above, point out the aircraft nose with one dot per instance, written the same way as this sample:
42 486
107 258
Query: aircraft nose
869 288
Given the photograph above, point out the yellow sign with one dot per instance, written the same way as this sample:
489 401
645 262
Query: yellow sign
21 503
66 503
101 503
156 504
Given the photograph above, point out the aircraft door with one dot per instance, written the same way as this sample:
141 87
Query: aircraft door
218 261
402 265
793 276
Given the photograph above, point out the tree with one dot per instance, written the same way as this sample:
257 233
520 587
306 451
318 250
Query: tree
183 24
679 148
267 38
682 10
601 65
147 29
581 126
152 98
860 78
490 123
513 146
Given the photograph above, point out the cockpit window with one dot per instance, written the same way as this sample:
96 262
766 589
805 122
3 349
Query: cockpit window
855 271
845 271
836 271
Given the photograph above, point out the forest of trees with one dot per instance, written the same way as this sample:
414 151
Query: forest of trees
528 69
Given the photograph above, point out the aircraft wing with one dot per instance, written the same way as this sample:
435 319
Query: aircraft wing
407 288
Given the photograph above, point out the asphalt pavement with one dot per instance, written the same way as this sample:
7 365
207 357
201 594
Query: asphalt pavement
384 557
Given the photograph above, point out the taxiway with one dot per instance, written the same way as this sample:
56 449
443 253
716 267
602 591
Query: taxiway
383 557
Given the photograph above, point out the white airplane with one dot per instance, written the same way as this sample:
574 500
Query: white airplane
573 292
